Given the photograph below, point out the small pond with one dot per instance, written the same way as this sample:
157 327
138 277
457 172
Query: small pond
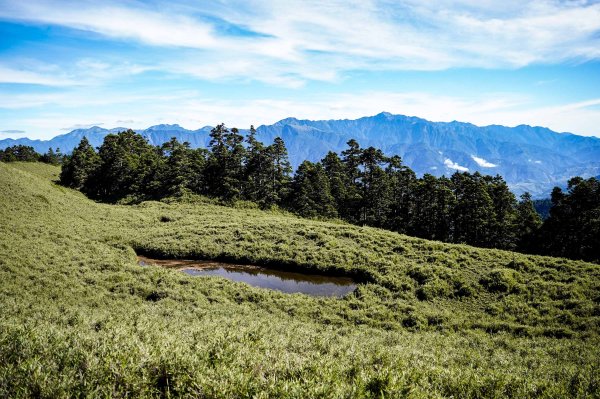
289 282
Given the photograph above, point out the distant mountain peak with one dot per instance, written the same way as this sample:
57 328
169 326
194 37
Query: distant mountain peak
286 121
516 153
92 129
118 129
388 116
164 127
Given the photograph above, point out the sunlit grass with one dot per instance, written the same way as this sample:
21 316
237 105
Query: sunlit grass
79 317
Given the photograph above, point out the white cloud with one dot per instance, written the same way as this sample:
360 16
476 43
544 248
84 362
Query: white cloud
79 98
453 165
11 75
315 40
482 162
81 126
86 72
115 21
300 41
581 117
12 133
192 109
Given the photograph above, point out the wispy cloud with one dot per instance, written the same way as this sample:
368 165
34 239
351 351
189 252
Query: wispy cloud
258 61
193 110
323 40
11 75
581 117
12 131
117 21
81 126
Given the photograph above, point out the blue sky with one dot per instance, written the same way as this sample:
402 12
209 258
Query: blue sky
68 64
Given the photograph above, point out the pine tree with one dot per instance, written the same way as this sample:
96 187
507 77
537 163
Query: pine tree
52 157
527 223
257 170
225 167
181 171
573 228
311 195
19 153
375 188
77 167
474 210
402 181
338 181
216 169
233 182
503 233
279 170
433 211
351 158
127 168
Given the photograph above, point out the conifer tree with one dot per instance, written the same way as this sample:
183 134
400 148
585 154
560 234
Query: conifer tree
181 171
434 204
573 228
502 225
52 157
79 165
351 158
257 170
474 210
233 182
362 187
225 169
279 173
19 153
216 168
375 188
127 167
311 195
527 223
338 180
402 181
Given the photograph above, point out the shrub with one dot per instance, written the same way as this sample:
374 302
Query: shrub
414 321
501 280
434 288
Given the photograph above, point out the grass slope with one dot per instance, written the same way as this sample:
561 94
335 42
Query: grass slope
79 318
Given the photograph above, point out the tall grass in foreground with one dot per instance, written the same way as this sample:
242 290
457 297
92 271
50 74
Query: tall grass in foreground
79 318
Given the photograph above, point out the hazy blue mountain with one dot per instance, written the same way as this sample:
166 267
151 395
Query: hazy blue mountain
530 158
533 159
66 142
155 134
159 134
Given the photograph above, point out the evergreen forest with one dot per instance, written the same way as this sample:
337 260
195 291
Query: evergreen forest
362 186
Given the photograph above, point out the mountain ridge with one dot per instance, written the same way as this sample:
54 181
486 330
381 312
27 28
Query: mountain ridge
530 158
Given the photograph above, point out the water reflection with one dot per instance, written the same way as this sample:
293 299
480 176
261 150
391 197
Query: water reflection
289 282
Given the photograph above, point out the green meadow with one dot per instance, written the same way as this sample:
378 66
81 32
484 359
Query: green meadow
80 318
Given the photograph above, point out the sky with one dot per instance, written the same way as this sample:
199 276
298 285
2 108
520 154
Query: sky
75 64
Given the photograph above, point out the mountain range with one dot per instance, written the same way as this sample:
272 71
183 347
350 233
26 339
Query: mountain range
533 159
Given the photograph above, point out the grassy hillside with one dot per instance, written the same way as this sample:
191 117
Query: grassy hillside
79 317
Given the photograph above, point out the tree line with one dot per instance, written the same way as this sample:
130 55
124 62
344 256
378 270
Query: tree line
25 153
360 185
